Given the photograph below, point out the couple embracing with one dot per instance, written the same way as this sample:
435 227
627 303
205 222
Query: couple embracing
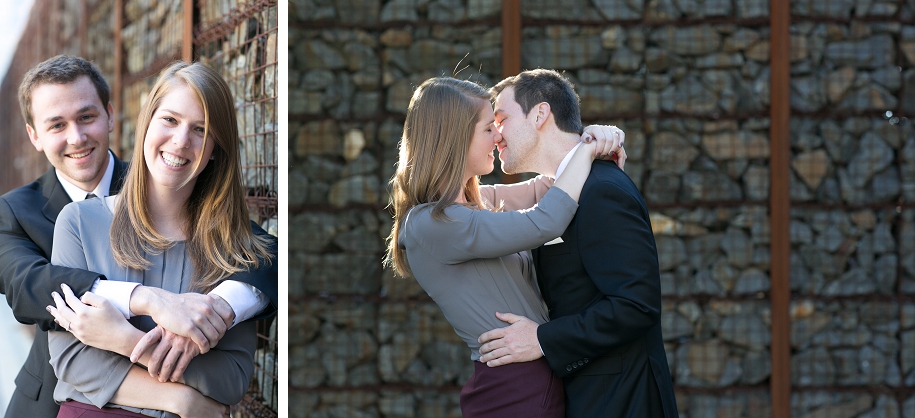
584 307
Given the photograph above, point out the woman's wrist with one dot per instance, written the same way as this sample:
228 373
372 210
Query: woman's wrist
131 336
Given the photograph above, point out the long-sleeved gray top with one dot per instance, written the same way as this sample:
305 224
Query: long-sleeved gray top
477 263
92 376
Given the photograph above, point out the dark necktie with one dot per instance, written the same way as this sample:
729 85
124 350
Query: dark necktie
91 196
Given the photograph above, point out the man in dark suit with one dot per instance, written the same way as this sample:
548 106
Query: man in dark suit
600 279
65 104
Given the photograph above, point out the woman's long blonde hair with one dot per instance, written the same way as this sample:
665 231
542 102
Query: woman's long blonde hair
440 124
220 241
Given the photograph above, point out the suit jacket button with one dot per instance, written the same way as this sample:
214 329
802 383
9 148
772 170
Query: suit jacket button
569 368
581 363
574 366
586 361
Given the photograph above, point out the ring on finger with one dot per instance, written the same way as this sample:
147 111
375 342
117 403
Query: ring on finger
69 324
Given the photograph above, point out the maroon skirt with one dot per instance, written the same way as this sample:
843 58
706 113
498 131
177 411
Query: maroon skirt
514 390
73 409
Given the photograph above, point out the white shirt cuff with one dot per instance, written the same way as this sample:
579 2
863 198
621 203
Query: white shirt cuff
244 299
118 293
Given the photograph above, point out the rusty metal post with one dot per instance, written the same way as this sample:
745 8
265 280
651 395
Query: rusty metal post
780 206
83 28
187 41
118 88
511 52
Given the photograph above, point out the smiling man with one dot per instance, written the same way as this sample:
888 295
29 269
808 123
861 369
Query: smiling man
65 105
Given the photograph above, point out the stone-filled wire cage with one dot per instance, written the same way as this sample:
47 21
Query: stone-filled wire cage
131 41
690 83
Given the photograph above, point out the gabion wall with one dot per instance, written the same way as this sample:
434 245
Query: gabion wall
853 219
689 83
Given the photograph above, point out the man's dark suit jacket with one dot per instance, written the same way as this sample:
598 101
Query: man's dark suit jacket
602 287
27 217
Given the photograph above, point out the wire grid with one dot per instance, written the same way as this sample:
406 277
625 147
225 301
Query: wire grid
241 44
151 40
853 188
261 401
238 39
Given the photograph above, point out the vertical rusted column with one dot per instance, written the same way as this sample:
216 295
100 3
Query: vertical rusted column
117 90
83 25
187 43
511 51
780 206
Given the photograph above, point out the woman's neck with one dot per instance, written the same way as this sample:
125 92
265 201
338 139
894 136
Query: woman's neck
166 210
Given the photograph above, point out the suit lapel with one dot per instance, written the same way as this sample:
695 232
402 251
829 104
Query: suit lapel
118 177
57 197
54 192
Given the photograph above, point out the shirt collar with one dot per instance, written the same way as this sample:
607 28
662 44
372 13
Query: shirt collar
104 186
565 161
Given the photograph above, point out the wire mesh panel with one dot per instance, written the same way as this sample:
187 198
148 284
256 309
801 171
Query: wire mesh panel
238 39
241 44
853 308
151 40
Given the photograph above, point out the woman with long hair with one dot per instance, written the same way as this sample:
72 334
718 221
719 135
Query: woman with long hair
466 244
181 224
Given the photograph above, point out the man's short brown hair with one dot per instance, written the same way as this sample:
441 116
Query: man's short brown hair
61 69
537 86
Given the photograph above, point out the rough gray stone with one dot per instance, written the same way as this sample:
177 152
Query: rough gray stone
563 53
694 40
736 145
689 96
736 244
337 273
853 282
604 100
748 9
625 60
671 152
709 187
479 9
873 156
619 10
674 326
751 281
662 187
358 11
756 182
757 366
671 252
435 56
874 52
813 367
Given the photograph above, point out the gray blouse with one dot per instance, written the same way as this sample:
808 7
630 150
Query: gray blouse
477 263
92 376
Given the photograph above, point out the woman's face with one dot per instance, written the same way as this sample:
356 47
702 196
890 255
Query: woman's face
480 157
174 140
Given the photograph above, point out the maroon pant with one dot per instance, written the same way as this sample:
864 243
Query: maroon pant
514 390
73 409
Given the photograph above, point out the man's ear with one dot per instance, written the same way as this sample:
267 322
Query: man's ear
34 138
110 118
543 113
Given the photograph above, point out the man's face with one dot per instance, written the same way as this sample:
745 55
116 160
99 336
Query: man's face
71 127
519 133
